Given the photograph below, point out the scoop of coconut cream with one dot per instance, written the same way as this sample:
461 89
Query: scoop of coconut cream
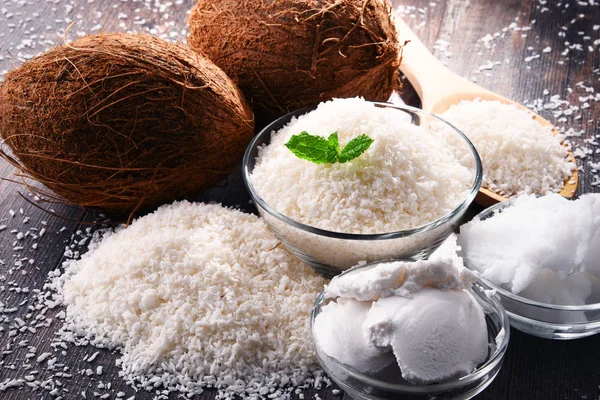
420 312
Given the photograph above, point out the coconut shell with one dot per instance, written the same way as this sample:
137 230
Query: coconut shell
288 54
123 121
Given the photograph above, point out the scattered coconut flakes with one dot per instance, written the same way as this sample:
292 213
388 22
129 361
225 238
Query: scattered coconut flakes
32 32
44 305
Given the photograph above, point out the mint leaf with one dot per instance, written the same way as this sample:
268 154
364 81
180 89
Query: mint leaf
327 151
313 148
355 148
333 141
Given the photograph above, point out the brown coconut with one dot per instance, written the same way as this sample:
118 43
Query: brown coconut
288 54
123 121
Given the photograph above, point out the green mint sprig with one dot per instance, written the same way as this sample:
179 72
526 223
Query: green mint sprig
319 150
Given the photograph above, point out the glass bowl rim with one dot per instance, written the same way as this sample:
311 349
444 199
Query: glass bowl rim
520 299
278 124
496 357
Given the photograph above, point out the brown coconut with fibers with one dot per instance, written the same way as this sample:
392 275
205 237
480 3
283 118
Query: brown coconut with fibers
289 54
122 122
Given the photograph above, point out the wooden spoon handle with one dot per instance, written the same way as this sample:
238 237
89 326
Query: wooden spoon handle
432 80
422 69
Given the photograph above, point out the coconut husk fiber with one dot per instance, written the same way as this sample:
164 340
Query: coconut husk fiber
289 54
121 122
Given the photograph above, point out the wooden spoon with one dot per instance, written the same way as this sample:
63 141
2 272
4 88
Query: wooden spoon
439 88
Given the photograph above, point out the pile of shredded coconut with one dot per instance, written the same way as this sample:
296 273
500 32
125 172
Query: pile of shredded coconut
196 296
519 155
407 178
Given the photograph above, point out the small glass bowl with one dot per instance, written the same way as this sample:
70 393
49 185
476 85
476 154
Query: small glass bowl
366 387
332 252
545 320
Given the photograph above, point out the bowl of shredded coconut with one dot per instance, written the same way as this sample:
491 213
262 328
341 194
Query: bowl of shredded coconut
353 180
541 254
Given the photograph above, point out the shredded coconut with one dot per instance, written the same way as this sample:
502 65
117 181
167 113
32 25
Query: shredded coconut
196 296
406 179
519 155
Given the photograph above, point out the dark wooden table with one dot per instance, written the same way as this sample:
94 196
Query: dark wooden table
524 50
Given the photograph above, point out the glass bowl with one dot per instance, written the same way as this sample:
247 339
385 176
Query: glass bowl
332 252
546 320
390 386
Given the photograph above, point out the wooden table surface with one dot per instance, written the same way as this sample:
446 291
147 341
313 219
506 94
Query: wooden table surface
526 50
